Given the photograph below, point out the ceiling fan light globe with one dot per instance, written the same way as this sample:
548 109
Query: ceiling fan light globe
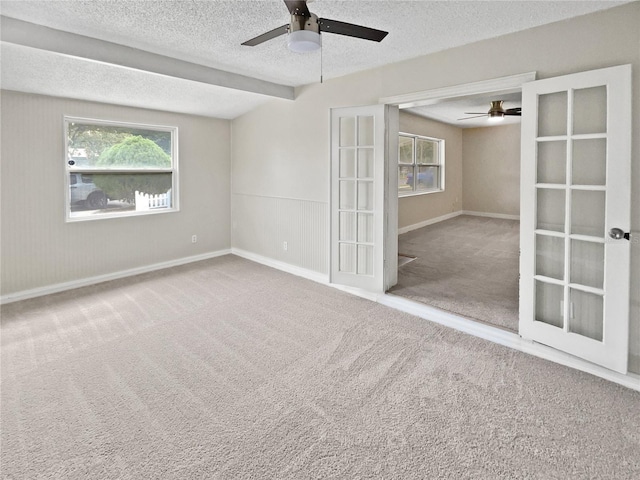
303 41
496 116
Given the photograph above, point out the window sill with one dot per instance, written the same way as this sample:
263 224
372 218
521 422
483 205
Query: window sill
93 217
415 194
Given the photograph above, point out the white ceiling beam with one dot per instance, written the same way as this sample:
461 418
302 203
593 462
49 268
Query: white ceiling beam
44 38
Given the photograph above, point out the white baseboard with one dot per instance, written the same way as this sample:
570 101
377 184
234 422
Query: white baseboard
431 221
490 215
285 267
83 282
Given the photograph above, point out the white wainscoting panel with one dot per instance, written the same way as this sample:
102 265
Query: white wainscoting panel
261 225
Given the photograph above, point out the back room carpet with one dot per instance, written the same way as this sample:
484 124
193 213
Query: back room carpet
466 265
226 369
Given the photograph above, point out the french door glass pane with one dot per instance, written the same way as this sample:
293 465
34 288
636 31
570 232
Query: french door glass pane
587 213
365 195
549 303
405 178
587 263
347 163
347 195
365 163
590 110
405 152
589 162
550 256
365 131
347 257
427 178
347 227
347 132
365 260
552 162
365 227
552 114
550 205
586 314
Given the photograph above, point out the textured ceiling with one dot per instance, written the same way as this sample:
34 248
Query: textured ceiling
210 33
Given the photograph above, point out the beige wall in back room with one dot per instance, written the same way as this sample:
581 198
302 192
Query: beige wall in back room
40 249
419 208
491 169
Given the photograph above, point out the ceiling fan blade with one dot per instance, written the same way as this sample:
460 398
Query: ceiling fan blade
513 111
351 30
298 8
477 116
476 113
276 32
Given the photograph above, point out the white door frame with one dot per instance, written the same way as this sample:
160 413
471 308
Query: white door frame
502 85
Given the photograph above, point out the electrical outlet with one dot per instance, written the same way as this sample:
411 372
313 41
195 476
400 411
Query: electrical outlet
285 246
194 238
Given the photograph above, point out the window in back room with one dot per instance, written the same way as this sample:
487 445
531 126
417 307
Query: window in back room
420 164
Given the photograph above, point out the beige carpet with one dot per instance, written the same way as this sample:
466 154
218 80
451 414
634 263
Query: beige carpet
226 369
466 265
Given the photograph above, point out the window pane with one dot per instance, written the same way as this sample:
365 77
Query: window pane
588 213
426 151
552 162
111 146
590 110
405 154
550 209
365 131
347 163
365 163
347 131
108 193
405 179
550 256
586 314
552 114
589 162
427 178
549 304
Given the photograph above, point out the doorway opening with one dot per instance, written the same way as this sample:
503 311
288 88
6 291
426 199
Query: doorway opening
463 232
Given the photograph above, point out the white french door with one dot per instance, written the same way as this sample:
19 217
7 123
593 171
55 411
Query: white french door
361 141
575 212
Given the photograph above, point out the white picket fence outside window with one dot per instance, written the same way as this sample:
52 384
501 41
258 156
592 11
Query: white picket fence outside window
144 201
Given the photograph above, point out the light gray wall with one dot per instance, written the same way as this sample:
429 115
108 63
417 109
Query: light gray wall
281 149
40 249
419 208
491 169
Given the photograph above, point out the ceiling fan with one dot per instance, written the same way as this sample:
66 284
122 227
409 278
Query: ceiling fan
496 112
305 27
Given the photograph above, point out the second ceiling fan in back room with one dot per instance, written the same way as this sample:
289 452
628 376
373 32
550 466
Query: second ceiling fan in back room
305 27
496 112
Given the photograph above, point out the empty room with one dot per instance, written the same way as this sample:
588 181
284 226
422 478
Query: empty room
217 218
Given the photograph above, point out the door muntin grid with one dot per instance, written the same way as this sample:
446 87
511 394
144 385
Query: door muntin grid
571 158
356 195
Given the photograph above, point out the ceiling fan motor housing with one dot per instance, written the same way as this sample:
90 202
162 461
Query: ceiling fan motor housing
300 22
497 109
304 33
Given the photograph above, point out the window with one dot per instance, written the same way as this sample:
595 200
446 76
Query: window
118 169
420 164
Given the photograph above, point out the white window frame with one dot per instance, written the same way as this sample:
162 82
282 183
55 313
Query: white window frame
69 169
440 164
